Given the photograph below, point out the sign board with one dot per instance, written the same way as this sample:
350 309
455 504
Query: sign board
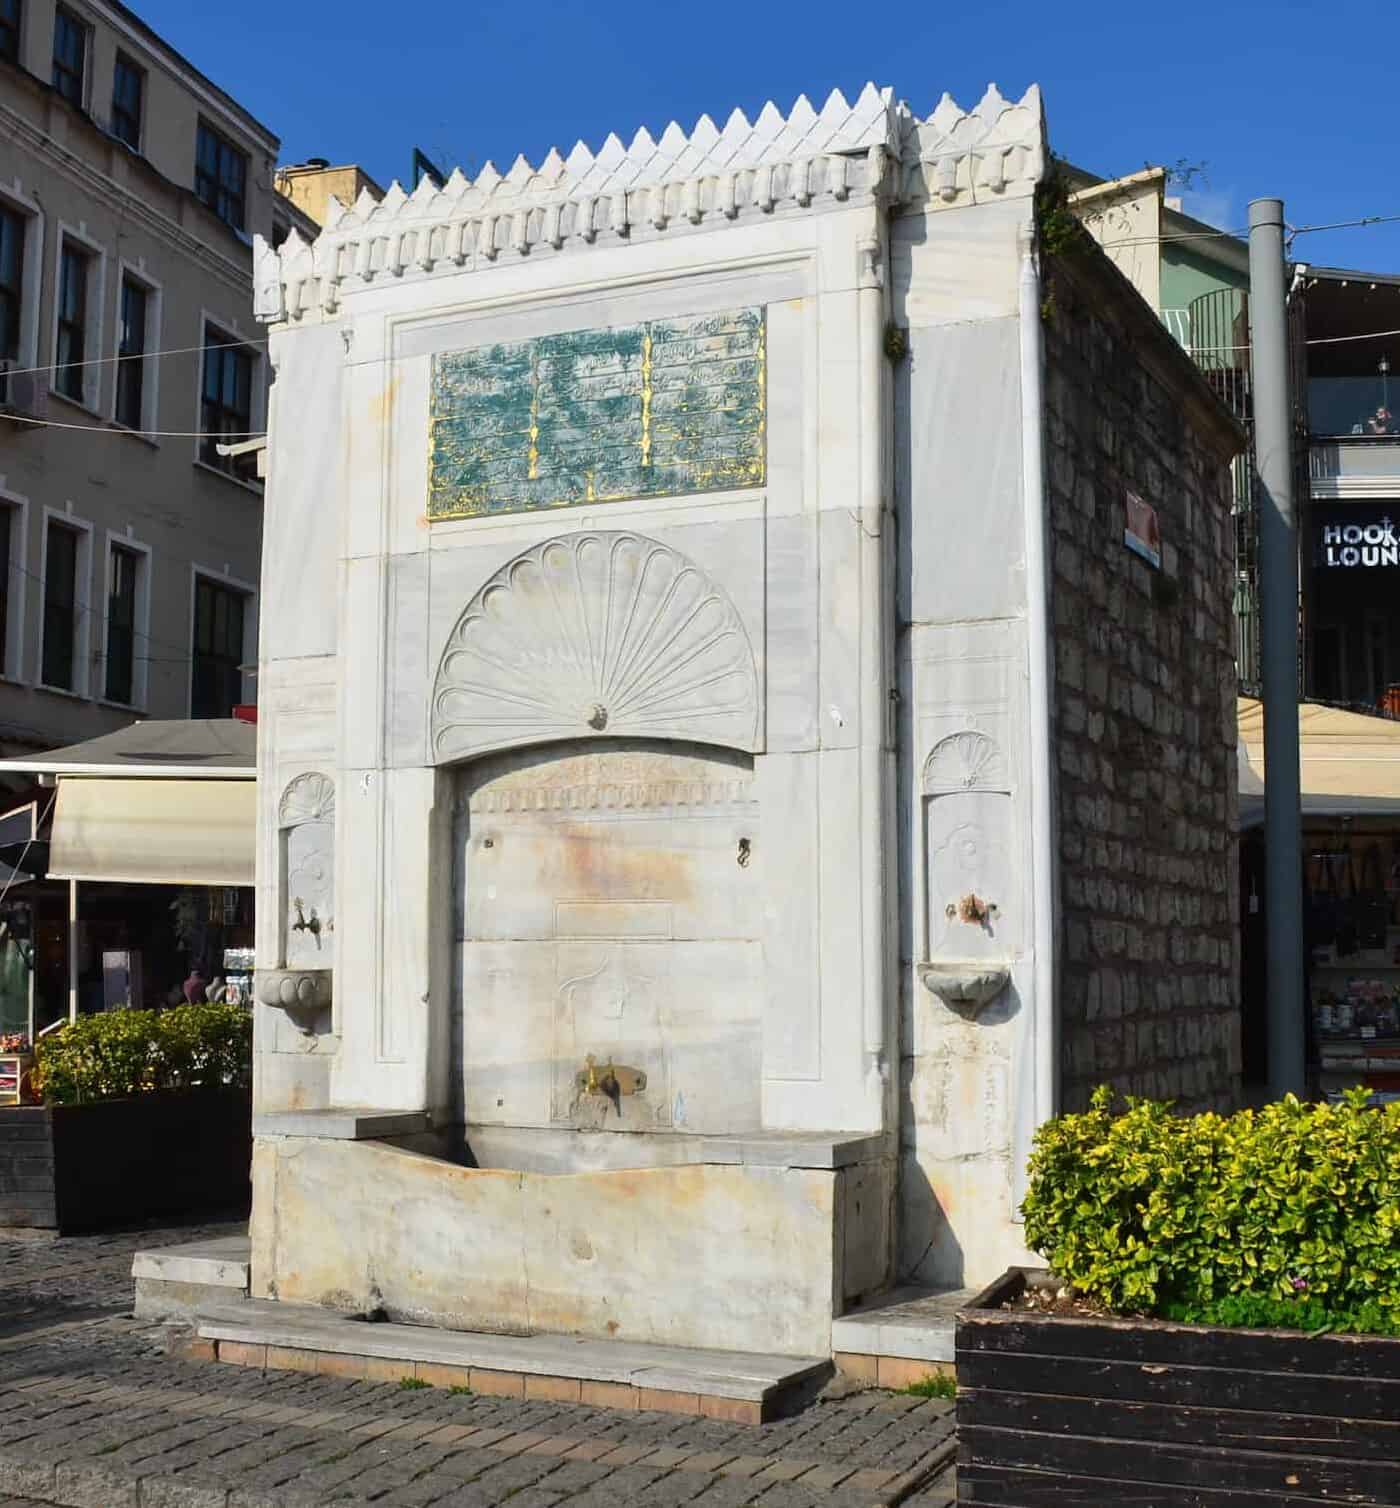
1355 539
658 409
1142 534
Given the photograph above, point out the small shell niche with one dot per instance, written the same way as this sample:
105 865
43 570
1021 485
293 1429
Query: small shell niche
301 985
972 921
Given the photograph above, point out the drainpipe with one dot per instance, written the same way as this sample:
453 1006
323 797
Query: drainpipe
1044 855
876 756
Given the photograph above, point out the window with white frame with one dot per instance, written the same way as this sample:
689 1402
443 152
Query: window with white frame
135 331
125 587
75 276
70 52
10 599
226 401
128 101
221 176
21 247
63 555
13 226
216 683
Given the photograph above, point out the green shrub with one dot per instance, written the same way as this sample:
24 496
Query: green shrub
935 1385
121 1053
1250 1311
1287 1215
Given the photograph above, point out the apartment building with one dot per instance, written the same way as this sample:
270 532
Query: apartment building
130 189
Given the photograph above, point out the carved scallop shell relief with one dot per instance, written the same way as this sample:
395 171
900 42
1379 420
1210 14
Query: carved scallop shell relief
308 798
606 632
965 761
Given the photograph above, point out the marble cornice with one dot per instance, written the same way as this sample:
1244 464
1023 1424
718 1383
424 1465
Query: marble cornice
872 151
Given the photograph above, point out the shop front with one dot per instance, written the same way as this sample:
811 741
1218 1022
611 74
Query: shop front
135 889
1354 612
1350 769
1350 545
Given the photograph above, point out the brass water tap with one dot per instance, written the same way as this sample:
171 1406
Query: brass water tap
301 924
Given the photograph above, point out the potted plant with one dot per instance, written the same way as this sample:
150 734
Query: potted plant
1219 1322
143 1113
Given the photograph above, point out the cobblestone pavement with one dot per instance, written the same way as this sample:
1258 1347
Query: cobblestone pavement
95 1414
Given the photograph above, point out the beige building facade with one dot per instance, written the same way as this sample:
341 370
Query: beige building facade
311 186
130 189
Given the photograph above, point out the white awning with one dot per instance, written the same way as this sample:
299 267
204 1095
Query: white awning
187 748
156 832
1349 763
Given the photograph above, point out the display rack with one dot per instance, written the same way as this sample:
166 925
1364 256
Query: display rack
14 1077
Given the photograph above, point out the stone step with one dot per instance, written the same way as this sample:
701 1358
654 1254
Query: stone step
739 1386
175 1282
901 1337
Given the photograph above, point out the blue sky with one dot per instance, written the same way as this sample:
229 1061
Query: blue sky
1271 97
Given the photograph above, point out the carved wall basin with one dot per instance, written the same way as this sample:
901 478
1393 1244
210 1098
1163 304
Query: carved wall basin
302 993
965 983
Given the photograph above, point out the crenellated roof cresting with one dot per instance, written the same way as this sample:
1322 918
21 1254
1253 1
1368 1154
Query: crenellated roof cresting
872 148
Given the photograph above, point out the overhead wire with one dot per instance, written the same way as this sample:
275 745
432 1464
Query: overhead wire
104 425
1243 232
184 658
99 361
104 428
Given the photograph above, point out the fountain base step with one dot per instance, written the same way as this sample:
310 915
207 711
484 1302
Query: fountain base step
177 1282
901 1337
734 1385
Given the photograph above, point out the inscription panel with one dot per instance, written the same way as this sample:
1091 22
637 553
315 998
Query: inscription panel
649 410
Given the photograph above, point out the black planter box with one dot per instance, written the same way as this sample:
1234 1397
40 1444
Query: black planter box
79 1167
1069 1413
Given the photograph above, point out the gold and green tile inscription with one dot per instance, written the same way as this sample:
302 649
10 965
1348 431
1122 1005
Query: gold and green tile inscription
593 416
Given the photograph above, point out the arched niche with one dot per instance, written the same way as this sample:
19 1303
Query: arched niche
609 907
306 837
969 849
604 633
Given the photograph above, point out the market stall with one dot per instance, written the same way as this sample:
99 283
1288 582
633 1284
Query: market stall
1350 782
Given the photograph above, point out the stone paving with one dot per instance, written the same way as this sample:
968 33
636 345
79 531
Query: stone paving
94 1414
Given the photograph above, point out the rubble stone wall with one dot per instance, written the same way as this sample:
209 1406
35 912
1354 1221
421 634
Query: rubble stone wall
1144 701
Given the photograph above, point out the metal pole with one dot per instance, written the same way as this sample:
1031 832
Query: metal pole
1278 590
72 950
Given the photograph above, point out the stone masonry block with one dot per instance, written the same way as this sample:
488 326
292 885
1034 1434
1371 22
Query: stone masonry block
905 1371
334 1364
288 1359
497 1384
731 1410
241 1354
664 1401
608 1395
553 1389
856 1365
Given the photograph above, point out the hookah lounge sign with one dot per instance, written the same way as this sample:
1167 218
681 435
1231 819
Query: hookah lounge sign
1357 543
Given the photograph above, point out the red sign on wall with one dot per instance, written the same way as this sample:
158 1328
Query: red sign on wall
1142 534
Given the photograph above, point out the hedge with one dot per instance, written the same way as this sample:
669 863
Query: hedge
1286 1215
122 1053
